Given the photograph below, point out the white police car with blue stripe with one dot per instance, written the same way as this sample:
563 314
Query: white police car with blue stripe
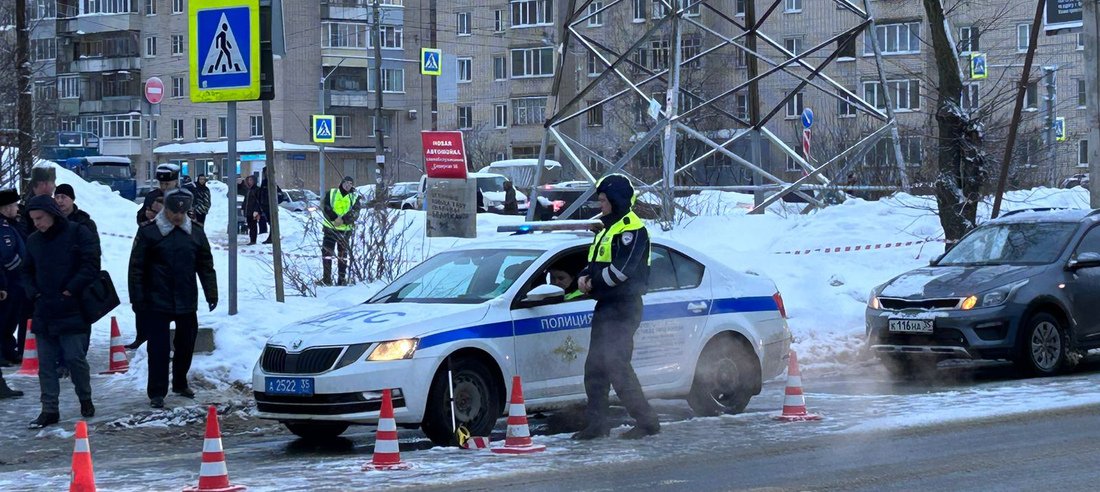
710 334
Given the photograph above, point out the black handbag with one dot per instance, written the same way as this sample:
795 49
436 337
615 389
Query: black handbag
99 298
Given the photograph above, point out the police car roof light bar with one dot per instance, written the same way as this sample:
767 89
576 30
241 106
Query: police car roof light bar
549 226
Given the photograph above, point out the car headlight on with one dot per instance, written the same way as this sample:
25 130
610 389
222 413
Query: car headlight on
993 298
872 300
394 350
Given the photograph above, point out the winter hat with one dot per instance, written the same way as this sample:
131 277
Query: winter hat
67 190
619 192
152 198
168 172
8 196
45 204
178 200
347 179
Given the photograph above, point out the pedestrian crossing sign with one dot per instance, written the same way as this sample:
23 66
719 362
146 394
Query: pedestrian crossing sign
225 50
324 128
1060 129
431 61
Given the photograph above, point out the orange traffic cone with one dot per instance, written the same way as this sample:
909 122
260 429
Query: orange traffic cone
518 439
119 362
387 451
213 475
83 479
794 402
30 355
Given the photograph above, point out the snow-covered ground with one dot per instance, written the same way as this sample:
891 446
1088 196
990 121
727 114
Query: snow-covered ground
824 293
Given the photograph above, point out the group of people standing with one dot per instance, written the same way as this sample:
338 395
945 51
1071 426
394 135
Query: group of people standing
50 255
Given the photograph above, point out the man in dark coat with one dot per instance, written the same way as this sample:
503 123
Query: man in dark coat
62 261
617 276
154 203
511 205
167 256
12 253
65 197
202 199
252 208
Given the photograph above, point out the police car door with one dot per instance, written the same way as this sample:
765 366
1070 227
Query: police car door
676 308
552 339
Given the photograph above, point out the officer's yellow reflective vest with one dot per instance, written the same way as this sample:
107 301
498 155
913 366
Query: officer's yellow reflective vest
341 205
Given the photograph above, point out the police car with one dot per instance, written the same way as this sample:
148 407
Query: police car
474 316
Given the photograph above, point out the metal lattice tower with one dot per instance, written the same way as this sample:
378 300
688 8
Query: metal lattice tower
626 81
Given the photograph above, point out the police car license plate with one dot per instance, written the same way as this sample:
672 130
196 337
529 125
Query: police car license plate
911 326
289 386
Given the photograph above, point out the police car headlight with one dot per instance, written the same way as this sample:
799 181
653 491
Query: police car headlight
394 350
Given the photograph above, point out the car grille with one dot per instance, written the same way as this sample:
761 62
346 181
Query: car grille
942 337
276 360
331 404
895 304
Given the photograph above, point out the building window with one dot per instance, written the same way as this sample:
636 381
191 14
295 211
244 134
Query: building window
1082 99
386 126
660 9
223 127
532 62
500 67
464 24
690 47
742 58
200 128
970 96
905 94
465 69
792 165
1023 37
344 35
528 111
894 39
527 13
595 67
151 46
639 10
969 39
43 49
256 126
595 114
68 87
498 21
1082 153
43 9
1080 42
342 127
792 6
177 129
500 115
45 90
177 86
122 126
465 117
794 106
177 6
150 7
794 45
741 105
1031 96
393 80
151 129
912 151
847 49
656 57
177 44
596 19
392 38
846 108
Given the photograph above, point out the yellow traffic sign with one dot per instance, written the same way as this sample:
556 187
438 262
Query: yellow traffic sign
431 61
1060 129
324 128
225 50
979 69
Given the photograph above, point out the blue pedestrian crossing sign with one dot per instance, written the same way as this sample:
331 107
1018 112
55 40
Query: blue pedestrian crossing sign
1060 129
225 50
324 128
431 61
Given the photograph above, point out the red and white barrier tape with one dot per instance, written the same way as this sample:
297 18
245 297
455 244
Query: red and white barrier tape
867 247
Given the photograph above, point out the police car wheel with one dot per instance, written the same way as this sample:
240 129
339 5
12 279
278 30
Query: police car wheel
477 402
317 431
722 381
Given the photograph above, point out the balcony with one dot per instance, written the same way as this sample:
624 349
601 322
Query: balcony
113 64
120 146
93 24
124 104
355 99
362 10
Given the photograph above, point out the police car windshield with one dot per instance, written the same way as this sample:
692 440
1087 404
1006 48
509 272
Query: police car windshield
460 277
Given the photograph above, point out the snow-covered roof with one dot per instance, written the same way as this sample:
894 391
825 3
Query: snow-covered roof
247 147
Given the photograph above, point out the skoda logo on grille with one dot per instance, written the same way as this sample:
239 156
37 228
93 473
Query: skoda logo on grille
296 344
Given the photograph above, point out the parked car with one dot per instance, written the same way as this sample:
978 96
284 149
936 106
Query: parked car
1024 287
402 195
1081 180
492 191
711 334
296 200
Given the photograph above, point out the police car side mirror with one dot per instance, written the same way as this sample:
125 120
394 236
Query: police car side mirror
544 293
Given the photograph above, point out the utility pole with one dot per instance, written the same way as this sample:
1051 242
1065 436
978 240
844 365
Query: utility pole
379 147
754 104
668 205
231 182
1092 95
25 109
321 146
272 184
432 40
1049 73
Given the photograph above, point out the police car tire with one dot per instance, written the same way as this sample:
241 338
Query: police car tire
437 414
722 357
317 431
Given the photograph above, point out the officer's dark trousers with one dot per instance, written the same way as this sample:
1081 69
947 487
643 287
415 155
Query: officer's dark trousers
614 323
51 350
335 243
156 328
11 310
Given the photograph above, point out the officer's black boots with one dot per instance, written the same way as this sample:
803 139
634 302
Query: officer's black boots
591 432
87 409
7 392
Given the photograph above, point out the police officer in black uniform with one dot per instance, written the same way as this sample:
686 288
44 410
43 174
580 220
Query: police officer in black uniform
12 253
617 276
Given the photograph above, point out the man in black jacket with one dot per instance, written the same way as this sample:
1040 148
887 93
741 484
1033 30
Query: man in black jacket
12 253
617 276
65 197
167 256
202 199
251 207
62 261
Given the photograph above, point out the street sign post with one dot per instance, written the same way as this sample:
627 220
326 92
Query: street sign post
324 128
431 61
807 118
978 68
225 50
154 90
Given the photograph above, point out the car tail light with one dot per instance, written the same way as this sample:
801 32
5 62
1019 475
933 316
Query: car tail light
558 204
779 303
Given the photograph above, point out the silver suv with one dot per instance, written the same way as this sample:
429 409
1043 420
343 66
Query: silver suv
1024 287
